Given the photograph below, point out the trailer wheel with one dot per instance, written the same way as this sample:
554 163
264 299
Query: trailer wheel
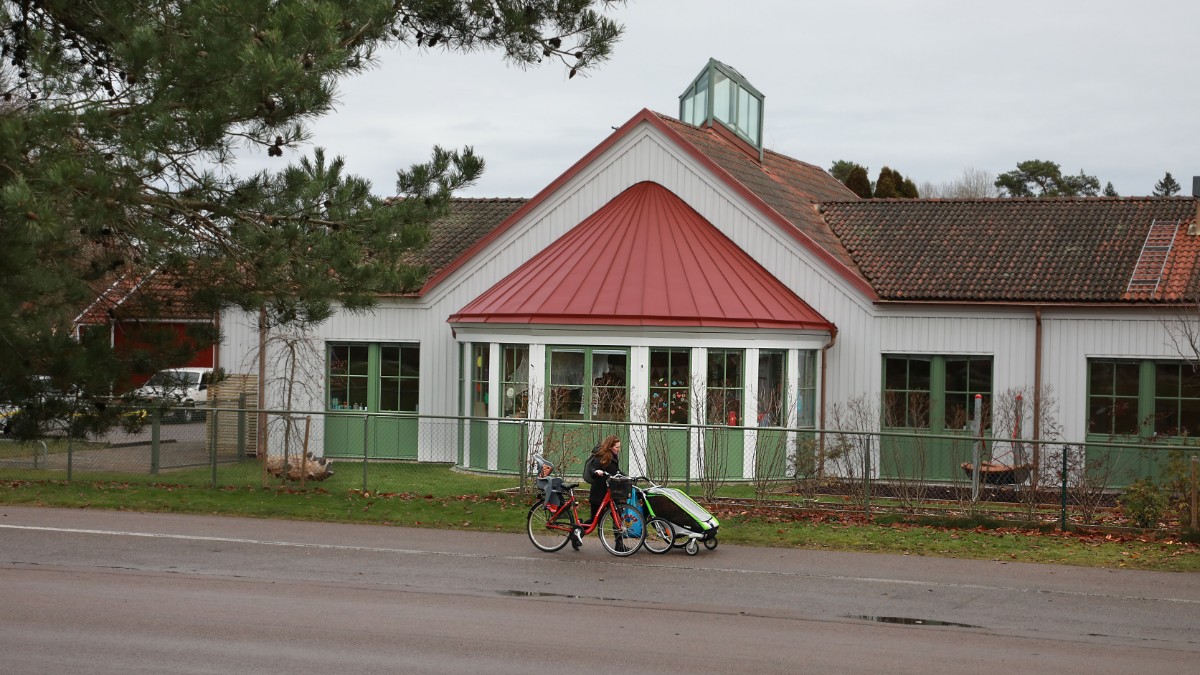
692 547
710 544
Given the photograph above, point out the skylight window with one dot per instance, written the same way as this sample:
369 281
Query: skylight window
721 94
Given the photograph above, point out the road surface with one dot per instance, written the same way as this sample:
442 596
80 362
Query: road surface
108 592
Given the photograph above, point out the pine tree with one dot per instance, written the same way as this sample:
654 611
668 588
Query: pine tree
859 183
117 144
1109 190
1167 187
842 168
886 184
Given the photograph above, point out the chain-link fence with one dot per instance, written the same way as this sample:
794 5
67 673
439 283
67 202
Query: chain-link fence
231 444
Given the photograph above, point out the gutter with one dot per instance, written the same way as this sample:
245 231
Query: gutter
1037 393
833 332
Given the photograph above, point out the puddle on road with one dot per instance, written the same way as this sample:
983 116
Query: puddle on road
911 622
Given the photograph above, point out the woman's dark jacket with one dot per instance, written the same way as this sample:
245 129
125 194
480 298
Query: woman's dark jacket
599 485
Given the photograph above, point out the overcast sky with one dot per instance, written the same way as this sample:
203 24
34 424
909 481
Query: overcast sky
928 87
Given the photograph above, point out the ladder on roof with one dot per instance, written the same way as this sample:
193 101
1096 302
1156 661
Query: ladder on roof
1147 274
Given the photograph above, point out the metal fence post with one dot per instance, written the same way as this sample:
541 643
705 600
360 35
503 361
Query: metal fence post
366 436
212 446
1193 509
241 427
1062 522
976 449
70 458
155 443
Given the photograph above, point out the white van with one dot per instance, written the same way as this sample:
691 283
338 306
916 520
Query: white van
182 389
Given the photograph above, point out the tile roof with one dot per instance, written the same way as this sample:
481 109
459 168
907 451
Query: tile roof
1072 250
645 258
469 221
790 187
154 296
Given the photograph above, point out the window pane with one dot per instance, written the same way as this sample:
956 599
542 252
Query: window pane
1190 381
959 410
1101 378
918 373
339 359
1166 379
770 388
752 121
609 385
1127 379
723 98
357 394
358 359
1166 416
389 361
896 375
1125 419
956 375
389 395
670 385
515 383
980 379
918 410
480 374
1189 417
1099 415
894 409
566 384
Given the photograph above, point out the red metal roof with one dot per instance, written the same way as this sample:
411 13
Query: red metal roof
644 259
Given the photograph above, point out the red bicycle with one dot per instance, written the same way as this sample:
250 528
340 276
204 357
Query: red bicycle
554 517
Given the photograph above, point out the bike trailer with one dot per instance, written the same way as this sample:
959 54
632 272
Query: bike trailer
683 512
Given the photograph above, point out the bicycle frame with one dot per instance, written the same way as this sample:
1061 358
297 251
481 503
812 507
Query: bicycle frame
607 508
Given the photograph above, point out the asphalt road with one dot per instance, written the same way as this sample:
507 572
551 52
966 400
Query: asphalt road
107 592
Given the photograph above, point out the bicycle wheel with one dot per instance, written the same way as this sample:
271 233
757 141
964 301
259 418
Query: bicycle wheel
547 534
623 538
660 534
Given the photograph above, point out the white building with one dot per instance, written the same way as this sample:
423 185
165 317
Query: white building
680 262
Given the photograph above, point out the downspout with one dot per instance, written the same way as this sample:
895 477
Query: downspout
262 388
1037 393
821 425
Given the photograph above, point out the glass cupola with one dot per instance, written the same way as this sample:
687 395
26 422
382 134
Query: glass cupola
720 93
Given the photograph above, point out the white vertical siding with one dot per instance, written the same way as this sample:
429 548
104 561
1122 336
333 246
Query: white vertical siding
864 333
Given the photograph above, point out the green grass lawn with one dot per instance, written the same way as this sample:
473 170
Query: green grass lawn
424 495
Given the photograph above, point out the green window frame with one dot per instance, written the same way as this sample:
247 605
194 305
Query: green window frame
1115 390
481 357
587 383
806 395
1176 399
349 376
772 389
726 386
935 392
670 385
373 377
514 381
1143 397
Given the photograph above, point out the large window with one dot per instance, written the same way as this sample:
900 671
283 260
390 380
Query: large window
514 381
1143 397
1176 400
726 387
670 385
772 374
348 376
1113 392
480 373
935 392
375 377
587 384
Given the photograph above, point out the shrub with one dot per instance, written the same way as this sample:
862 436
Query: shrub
1143 503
